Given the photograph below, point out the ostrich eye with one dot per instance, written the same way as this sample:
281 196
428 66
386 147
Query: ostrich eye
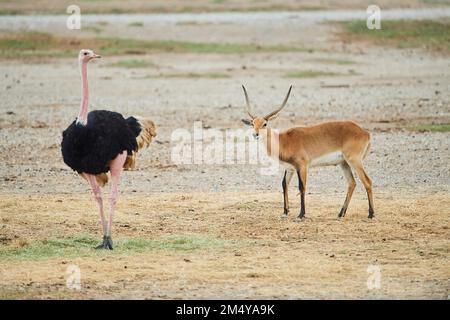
85 53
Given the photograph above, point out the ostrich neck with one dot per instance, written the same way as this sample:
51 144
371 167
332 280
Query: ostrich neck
82 116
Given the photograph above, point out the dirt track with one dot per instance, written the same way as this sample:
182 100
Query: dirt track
259 255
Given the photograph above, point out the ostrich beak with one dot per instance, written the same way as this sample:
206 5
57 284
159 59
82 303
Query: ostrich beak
97 56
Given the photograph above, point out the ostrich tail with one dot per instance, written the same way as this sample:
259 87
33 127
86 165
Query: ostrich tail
102 179
148 131
145 130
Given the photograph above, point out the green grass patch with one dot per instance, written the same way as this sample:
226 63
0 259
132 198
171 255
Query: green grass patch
136 24
9 12
192 23
142 7
192 47
132 64
83 246
36 44
335 61
431 128
209 75
432 35
310 74
94 29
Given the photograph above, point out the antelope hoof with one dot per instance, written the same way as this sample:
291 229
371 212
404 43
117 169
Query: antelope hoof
285 213
371 215
342 213
300 218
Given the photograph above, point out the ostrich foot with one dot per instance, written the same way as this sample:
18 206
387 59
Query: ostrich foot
107 243
103 244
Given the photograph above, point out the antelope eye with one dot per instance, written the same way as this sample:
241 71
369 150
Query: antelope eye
265 125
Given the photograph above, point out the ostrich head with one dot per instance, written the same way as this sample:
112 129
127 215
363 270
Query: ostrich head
87 55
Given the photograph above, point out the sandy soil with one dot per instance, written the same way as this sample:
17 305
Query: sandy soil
386 90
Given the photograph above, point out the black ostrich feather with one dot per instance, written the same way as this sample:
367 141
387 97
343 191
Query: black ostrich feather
89 148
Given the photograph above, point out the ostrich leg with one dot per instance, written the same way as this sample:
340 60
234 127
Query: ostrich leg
98 197
116 168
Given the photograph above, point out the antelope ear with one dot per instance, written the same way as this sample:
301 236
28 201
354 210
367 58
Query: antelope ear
247 122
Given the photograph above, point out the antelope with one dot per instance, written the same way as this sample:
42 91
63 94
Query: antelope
342 143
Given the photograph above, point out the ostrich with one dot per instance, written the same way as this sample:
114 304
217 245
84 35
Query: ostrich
102 141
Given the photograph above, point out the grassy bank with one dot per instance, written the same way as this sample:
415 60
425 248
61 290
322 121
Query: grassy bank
429 35
35 44
163 6
431 128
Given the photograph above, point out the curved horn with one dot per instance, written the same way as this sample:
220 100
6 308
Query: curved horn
274 114
248 106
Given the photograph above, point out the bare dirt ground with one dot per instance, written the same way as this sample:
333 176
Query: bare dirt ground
272 257
257 254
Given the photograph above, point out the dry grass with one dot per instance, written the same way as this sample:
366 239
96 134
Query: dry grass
271 257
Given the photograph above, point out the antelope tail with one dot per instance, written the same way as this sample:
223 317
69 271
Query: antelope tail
367 150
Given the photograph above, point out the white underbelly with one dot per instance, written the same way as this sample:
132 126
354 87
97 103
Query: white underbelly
330 159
